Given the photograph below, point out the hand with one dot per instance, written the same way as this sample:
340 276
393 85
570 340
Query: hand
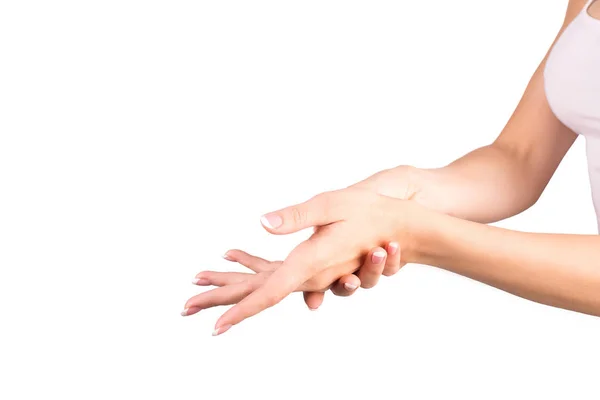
379 261
402 182
352 221
367 277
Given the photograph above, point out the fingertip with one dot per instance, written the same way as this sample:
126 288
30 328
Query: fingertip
187 311
393 263
221 329
392 248
236 314
350 287
202 275
351 282
373 267
271 221
390 271
378 256
346 285
313 300
201 281
374 261
232 254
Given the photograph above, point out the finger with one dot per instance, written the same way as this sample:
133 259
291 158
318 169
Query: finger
322 209
297 268
222 296
208 278
346 285
190 311
372 268
313 299
256 264
393 263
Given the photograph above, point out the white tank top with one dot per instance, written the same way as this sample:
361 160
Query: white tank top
572 86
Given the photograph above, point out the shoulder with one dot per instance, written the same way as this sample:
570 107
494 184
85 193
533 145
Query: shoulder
574 8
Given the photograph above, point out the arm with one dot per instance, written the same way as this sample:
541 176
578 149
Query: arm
488 184
558 270
554 269
508 176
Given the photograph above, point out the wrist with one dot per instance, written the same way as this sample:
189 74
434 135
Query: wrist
422 234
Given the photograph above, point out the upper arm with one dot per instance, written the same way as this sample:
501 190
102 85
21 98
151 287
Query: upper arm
533 134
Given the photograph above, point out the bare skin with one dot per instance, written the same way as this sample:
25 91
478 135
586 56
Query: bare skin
522 160
440 218
594 10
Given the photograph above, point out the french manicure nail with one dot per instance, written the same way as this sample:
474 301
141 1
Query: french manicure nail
393 247
200 281
221 329
377 257
350 286
184 312
226 256
271 221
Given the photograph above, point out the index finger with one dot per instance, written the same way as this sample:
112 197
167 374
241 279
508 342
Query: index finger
297 268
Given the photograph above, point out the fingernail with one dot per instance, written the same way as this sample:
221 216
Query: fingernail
393 248
226 256
313 309
350 286
200 281
271 221
221 329
377 257
184 312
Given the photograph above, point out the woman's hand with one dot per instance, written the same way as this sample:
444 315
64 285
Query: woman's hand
379 261
402 182
352 221
367 277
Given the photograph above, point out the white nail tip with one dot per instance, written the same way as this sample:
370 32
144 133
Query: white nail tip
221 329
184 312
350 286
379 254
265 222
195 281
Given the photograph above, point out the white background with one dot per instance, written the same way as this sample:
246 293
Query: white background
142 139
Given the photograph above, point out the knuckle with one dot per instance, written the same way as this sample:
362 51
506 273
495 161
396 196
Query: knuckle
299 216
321 196
325 201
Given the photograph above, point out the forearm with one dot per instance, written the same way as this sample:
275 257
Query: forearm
507 177
555 269
486 185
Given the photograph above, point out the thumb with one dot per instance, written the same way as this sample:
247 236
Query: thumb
322 209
